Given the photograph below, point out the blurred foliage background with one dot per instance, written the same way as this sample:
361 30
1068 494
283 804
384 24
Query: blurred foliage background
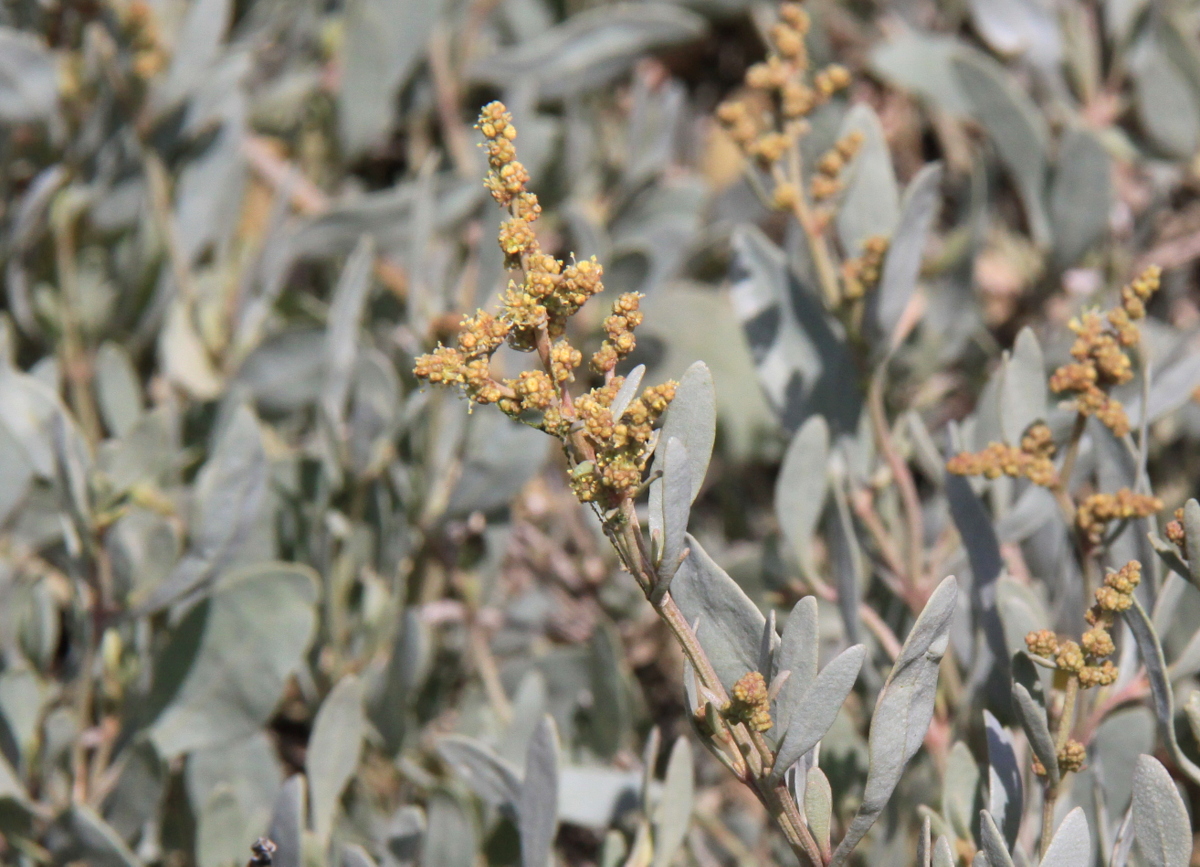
254 579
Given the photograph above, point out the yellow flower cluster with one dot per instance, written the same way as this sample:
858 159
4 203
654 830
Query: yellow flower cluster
861 273
827 182
1099 353
1089 663
1096 511
1033 460
765 122
621 444
1070 758
1176 533
138 21
609 453
751 703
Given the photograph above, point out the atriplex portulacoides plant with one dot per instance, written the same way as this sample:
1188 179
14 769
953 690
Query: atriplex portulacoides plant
756 698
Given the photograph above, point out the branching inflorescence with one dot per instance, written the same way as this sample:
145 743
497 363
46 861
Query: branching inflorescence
1100 361
609 452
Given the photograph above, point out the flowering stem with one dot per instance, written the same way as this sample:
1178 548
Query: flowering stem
1065 722
822 261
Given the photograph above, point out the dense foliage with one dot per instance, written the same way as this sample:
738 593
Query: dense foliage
329 520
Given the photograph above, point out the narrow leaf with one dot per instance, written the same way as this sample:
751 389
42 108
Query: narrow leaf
1023 393
342 332
818 806
1071 845
993 841
1005 793
798 650
333 750
902 712
1151 652
801 487
1160 820
818 707
677 503
1033 719
731 625
674 812
1015 127
902 264
537 810
627 392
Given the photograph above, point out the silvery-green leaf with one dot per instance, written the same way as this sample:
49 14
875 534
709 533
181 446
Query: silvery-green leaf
993 842
920 62
768 646
1192 709
1080 195
407 668
217 843
1023 394
1033 719
450 839
288 822
229 491
384 41
983 551
231 656
1020 27
537 805
730 624
613 719
627 392
1150 649
870 204
1166 101
117 389
674 811
94 840
1169 554
1071 845
28 77
677 503
249 768
342 331
943 855
1170 388
847 561
1006 799
333 749
800 488
1191 527
1017 130
591 48
798 652
803 366
1160 819
925 842
960 790
902 711
489 776
692 419
199 40
902 264
818 806
814 712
